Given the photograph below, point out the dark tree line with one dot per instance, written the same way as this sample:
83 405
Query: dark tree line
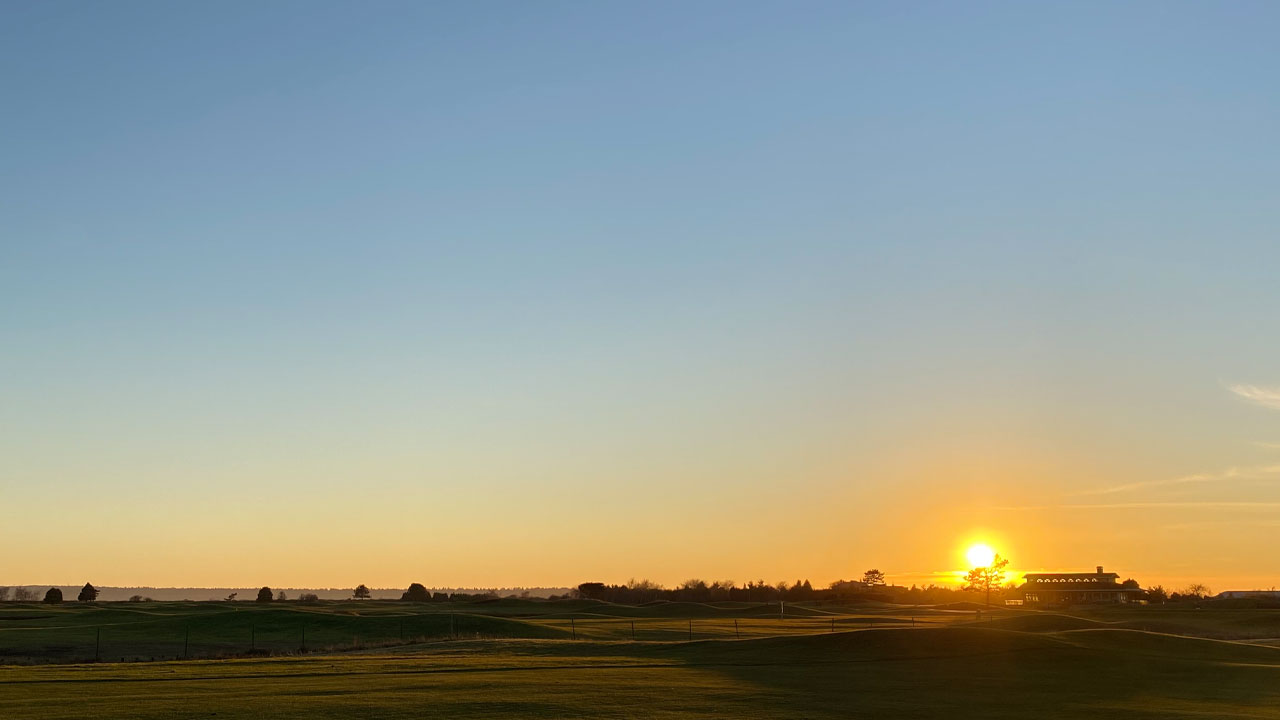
418 592
636 592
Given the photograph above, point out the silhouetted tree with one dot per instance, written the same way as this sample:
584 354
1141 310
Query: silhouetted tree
361 593
264 595
416 593
1130 584
308 598
88 593
1157 594
695 590
982 579
232 597
1196 591
53 596
873 577
4 594
22 594
591 590
281 597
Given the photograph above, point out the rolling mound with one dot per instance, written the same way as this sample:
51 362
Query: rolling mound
1171 646
959 642
681 610
871 645
1040 623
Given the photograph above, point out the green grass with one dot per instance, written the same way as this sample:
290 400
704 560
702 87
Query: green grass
146 631
149 631
905 673
520 662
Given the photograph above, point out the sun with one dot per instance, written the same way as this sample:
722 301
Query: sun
980 555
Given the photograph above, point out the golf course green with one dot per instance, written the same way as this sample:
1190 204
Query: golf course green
576 659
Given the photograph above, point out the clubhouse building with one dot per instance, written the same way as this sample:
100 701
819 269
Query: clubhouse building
1077 588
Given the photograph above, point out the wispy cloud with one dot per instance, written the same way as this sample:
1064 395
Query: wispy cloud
1268 445
1228 474
1264 396
1234 522
1242 504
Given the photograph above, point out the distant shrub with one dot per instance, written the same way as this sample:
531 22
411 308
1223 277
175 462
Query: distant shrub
416 593
264 595
308 598
4 594
281 597
53 596
135 598
361 592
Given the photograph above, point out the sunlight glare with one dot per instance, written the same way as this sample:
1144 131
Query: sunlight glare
980 555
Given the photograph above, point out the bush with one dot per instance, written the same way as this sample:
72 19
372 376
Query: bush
88 593
308 598
53 596
264 595
416 593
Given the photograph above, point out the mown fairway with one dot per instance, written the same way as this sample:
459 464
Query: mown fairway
126 632
1053 666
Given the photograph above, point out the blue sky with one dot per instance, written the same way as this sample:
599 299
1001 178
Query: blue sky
544 267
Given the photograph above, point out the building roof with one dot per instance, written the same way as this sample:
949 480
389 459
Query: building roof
1079 587
1071 575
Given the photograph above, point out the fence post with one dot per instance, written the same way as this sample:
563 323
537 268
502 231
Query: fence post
833 624
401 629
633 630
97 645
304 638
453 633
253 638
573 629
690 629
736 634
186 642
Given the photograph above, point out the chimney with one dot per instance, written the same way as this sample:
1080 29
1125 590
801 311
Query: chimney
1099 569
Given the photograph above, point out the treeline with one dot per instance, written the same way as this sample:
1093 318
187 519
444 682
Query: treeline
417 592
642 591
52 596
872 587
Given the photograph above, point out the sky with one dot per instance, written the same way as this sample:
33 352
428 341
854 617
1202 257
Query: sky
509 293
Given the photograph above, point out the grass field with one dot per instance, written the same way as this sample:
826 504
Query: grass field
518 659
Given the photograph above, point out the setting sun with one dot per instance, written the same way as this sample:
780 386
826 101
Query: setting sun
980 555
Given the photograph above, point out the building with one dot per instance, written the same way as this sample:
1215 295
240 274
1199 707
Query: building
1243 594
1077 588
